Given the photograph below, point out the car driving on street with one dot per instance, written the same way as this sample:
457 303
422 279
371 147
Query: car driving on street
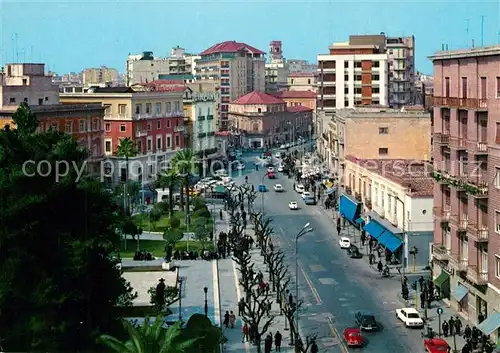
352 337
278 188
366 321
410 317
300 188
305 195
345 243
293 205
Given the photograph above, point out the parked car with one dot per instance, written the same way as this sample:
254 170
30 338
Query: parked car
300 188
436 345
262 188
293 205
410 317
278 188
351 249
310 200
345 243
352 337
366 321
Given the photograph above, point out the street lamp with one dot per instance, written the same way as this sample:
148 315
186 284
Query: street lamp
305 229
205 289
180 299
405 234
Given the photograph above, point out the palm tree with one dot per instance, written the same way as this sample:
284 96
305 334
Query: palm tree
186 164
126 149
169 180
149 338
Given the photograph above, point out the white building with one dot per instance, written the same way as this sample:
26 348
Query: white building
398 195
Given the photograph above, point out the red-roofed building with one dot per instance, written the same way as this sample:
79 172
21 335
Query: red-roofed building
262 120
237 68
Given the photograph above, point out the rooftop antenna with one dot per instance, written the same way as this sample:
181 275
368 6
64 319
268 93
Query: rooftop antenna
16 36
482 31
498 35
467 32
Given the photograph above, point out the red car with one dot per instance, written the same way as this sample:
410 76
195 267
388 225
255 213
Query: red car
436 345
271 175
352 336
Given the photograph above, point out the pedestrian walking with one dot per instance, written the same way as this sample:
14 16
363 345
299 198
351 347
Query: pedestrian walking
451 324
467 332
241 307
268 308
445 327
380 266
421 282
422 300
290 299
232 319
244 333
266 288
458 326
268 343
226 319
314 347
277 341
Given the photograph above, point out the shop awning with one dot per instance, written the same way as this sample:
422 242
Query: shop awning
330 191
359 220
349 208
459 292
441 279
220 189
491 323
374 229
390 241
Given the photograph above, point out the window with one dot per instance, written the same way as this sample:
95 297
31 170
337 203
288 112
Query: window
208 111
497 177
292 81
357 64
148 108
169 142
497 265
26 99
346 64
107 109
465 250
346 103
497 221
40 101
168 123
25 81
95 124
309 81
138 109
346 90
46 99
81 126
123 128
69 127
108 146
148 126
497 138
122 109
375 194
177 106
383 130
382 197
346 78
158 143
464 87
498 86
12 100
483 87
375 90
376 77
169 107
383 151
446 87
177 143
158 124
149 144
389 201
357 90
108 127
158 108
357 77
376 63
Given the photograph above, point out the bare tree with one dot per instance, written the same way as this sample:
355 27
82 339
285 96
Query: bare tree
289 309
281 273
310 339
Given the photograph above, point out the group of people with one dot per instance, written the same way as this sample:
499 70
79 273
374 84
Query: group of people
474 338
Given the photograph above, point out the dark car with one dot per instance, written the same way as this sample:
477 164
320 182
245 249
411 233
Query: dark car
365 321
355 254
352 249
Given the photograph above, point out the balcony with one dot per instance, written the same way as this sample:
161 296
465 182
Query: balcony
479 235
141 134
201 118
442 213
210 117
461 265
458 143
179 128
143 116
328 83
441 178
460 222
439 252
477 148
467 103
476 276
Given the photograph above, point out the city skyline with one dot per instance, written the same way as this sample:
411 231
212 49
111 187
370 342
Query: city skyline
302 40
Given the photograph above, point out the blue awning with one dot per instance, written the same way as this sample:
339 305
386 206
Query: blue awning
390 241
359 220
348 208
374 229
459 292
491 323
330 191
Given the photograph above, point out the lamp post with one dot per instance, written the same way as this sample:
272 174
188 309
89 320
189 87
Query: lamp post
262 193
180 299
305 229
205 290
405 234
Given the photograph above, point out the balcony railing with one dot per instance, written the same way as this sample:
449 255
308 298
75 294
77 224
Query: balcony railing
440 252
141 116
458 143
461 265
441 138
478 234
460 222
477 148
210 117
477 187
477 276
470 103
179 128
442 213
141 133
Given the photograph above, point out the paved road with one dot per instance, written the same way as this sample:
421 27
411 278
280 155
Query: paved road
334 286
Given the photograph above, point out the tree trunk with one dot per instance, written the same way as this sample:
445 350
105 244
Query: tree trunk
125 196
188 220
257 343
171 200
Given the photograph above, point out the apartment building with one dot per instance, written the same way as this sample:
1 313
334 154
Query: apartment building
401 55
259 120
276 68
353 73
300 98
375 133
298 65
101 76
466 252
145 67
237 68
153 120
397 196
302 81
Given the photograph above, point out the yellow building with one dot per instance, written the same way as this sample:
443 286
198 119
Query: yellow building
99 76
302 81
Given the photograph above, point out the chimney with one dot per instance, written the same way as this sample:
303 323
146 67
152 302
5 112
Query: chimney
442 47
446 46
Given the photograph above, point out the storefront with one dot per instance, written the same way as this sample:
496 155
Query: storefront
385 234
350 209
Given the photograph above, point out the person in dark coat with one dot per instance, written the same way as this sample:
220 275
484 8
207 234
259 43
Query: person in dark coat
467 333
314 347
226 319
268 343
241 306
451 324
421 282
445 327
160 293
422 300
466 348
277 341
380 266
458 326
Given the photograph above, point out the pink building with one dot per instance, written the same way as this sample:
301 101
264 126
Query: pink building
466 144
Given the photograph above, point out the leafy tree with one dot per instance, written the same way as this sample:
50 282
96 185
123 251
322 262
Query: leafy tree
58 282
209 336
151 337
130 228
126 149
154 216
185 163
202 234
172 236
171 293
169 180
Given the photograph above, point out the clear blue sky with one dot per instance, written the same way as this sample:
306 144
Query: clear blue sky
71 35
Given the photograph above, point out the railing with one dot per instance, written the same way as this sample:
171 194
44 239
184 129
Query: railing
458 143
477 187
179 128
462 265
141 133
443 213
476 276
471 103
478 234
143 116
477 147
440 252
460 221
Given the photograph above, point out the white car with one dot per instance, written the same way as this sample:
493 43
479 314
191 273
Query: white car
293 205
270 169
410 317
277 155
300 188
278 188
306 194
345 243
240 166
280 169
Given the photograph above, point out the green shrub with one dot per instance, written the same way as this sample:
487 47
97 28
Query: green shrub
175 222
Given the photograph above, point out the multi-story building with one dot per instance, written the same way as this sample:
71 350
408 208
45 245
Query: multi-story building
353 73
466 251
424 88
388 134
396 194
260 120
401 54
276 69
145 67
237 68
296 65
101 76
154 121
302 81
300 98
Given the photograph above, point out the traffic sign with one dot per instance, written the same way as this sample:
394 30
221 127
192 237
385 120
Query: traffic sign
439 311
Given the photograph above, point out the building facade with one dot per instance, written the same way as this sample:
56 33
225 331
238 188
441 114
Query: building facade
302 81
237 68
466 138
397 194
401 54
276 68
260 120
154 121
101 76
297 65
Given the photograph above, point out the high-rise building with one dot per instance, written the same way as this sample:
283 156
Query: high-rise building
353 73
100 76
276 68
238 68
401 53
466 250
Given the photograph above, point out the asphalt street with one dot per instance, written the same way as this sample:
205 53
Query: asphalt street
332 285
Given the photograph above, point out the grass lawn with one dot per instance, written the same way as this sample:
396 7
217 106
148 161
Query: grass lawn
164 222
157 247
